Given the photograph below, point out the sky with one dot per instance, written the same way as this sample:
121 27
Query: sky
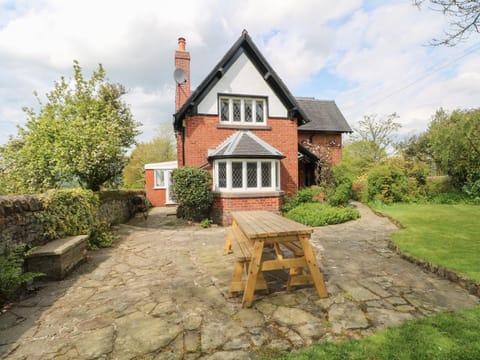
371 57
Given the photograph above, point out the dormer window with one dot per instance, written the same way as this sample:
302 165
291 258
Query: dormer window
242 110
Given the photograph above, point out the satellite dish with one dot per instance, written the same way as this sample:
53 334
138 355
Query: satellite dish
180 76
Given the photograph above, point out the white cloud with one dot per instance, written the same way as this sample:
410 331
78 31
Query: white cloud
375 50
383 53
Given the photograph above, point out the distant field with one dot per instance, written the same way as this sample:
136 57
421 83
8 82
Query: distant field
446 235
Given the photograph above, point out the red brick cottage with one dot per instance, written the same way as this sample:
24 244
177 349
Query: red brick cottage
244 126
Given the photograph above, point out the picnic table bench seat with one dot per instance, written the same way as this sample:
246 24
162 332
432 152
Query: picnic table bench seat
242 249
252 232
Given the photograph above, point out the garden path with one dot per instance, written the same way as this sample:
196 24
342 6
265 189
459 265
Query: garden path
161 292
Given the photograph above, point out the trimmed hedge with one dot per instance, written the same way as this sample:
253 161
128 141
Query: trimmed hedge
321 214
192 190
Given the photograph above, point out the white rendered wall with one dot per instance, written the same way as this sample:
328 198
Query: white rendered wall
242 78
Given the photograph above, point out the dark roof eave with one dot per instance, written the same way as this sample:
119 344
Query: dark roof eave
216 157
246 44
325 131
307 152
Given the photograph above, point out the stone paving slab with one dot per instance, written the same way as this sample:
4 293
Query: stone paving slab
161 293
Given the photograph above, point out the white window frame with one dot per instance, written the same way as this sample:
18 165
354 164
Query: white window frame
274 173
242 121
155 177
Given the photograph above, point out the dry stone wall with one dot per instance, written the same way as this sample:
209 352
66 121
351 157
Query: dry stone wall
18 223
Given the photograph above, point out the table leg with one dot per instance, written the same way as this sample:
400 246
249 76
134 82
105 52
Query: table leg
227 247
253 270
317 276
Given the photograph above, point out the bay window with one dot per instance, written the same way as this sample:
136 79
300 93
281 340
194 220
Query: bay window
243 175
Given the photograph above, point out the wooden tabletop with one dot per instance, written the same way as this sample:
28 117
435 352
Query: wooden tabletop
265 224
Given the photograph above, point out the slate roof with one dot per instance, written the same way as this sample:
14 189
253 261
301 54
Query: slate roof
323 115
245 144
243 45
306 155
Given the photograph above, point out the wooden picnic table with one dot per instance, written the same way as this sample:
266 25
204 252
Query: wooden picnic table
251 232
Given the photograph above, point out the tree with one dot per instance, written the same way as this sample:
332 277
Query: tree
452 143
159 149
463 15
79 135
379 131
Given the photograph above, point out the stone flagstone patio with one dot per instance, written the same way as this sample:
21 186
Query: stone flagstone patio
161 293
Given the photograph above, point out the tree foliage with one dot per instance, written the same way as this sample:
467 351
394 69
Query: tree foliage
79 135
463 17
159 149
453 142
380 131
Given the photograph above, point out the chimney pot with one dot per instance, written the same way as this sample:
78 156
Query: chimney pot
181 44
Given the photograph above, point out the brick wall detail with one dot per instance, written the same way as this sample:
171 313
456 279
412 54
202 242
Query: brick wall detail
157 197
330 141
202 134
223 206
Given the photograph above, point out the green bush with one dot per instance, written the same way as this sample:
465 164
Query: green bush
12 275
439 184
388 182
341 195
472 189
450 198
302 196
321 214
70 212
192 189
360 188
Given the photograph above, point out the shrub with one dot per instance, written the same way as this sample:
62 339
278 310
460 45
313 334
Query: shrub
472 189
439 184
388 182
341 195
73 212
206 223
192 189
11 272
302 196
321 214
450 198
360 188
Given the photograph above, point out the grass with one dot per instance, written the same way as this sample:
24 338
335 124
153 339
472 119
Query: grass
443 336
445 235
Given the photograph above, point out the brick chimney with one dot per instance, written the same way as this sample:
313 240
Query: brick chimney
182 61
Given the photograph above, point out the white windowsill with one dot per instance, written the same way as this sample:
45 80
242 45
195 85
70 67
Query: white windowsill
247 194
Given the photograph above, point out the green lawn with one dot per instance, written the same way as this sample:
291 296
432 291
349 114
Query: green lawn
443 336
446 235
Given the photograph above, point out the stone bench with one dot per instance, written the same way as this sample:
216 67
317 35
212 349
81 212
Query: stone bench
57 258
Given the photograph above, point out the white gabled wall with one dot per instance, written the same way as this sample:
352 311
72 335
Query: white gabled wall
242 78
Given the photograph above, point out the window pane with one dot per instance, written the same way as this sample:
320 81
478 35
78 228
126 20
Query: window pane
277 174
259 111
224 110
266 174
236 110
251 174
159 178
248 110
222 174
237 181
